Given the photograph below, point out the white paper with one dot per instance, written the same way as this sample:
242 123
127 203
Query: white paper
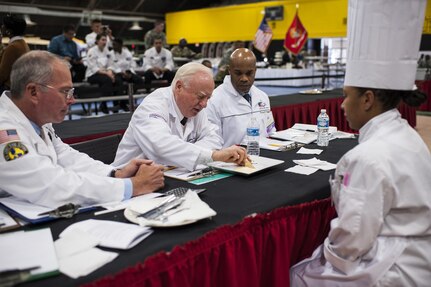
75 242
304 150
276 145
6 220
111 234
313 128
259 163
25 208
183 173
302 169
83 263
302 133
26 249
115 206
316 163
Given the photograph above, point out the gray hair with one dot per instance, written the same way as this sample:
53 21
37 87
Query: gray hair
33 67
186 72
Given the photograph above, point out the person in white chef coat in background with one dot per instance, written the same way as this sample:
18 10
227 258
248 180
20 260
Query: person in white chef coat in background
171 126
236 100
381 188
35 164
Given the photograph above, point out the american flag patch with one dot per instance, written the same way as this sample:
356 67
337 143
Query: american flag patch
8 136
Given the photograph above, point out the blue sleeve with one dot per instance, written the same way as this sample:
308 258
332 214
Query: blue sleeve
128 189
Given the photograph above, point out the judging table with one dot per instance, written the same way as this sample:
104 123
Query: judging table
287 110
258 233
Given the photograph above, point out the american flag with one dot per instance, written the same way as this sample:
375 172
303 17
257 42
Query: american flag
263 36
8 136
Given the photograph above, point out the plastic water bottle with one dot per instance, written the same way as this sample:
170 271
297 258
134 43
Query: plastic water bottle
253 137
323 128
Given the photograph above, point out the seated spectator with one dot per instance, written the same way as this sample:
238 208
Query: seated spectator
100 70
123 66
224 62
64 46
158 63
14 28
98 28
207 63
183 51
156 32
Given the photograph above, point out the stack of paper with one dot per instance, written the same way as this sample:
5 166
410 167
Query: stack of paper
277 145
33 250
302 133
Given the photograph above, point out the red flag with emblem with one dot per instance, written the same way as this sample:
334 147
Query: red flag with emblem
296 36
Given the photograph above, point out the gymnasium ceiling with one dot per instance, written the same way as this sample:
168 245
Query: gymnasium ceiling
50 16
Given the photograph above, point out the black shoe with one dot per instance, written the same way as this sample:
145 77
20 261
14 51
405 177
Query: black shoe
104 108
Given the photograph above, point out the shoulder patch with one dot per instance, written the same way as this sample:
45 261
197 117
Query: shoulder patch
8 136
14 150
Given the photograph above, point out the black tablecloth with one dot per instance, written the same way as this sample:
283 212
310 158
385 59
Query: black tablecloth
232 198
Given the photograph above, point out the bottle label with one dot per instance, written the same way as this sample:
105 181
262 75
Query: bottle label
322 123
252 132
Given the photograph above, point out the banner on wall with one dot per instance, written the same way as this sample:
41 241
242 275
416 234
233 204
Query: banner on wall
296 36
263 36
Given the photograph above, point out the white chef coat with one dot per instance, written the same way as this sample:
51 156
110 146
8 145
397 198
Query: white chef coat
123 62
90 40
155 133
382 193
231 112
97 60
161 60
51 173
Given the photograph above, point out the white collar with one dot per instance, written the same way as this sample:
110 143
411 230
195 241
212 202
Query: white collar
373 125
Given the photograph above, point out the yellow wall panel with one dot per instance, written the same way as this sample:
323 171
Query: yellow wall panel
321 18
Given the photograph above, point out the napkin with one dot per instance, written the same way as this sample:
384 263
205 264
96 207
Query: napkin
192 209
315 163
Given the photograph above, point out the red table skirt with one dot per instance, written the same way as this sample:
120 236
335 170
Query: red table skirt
425 86
255 252
306 113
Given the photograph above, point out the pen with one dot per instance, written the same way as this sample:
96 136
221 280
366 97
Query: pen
277 145
194 174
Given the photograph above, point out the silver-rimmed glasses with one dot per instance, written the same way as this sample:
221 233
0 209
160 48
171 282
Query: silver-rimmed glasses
69 93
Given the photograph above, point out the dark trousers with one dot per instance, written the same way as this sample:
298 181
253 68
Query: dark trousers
78 72
107 87
149 76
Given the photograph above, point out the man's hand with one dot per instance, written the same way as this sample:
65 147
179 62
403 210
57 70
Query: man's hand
149 178
131 168
233 153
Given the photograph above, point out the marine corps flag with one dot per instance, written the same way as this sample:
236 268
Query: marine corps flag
296 36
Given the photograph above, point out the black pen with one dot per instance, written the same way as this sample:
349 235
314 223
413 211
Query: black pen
195 173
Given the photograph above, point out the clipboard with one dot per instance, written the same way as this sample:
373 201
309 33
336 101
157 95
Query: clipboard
29 212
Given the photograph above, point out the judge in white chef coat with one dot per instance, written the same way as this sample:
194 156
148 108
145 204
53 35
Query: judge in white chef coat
382 188
35 165
171 126
237 100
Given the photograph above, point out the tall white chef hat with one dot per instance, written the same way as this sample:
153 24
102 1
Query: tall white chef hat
383 43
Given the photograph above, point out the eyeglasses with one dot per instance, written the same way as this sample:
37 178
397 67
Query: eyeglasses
69 93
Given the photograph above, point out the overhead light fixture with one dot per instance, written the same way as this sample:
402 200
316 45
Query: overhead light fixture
135 26
28 21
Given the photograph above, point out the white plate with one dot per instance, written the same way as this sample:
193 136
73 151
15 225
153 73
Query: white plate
259 163
311 92
132 217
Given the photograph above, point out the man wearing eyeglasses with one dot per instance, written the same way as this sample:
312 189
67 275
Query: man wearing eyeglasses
35 164
64 46
171 126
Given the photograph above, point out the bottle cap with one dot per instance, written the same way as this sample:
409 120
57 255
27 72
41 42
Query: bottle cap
323 110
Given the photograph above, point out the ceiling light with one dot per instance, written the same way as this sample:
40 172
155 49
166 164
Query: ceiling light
28 21
135 26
